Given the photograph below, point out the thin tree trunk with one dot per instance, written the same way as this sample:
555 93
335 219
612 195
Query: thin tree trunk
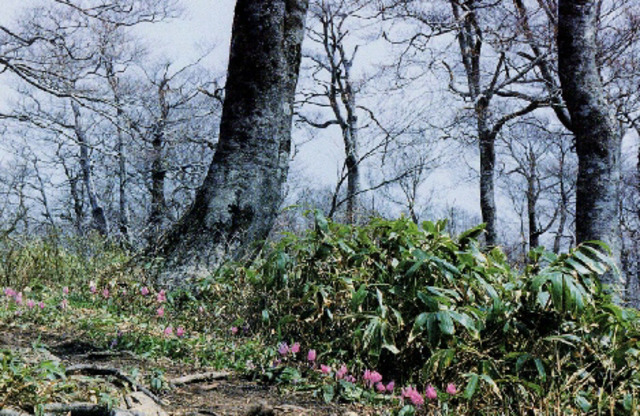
352 163
99 219
564 204
158 211
123 214
242 192
470 43
487 182
598 139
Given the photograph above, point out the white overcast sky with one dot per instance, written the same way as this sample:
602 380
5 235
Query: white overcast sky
204 23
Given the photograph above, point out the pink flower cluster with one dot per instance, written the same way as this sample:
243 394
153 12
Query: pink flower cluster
413 395
18 298
168 331
284 349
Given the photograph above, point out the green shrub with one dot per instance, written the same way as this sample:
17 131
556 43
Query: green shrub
421 306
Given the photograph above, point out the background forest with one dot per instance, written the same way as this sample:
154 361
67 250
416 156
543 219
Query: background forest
405 107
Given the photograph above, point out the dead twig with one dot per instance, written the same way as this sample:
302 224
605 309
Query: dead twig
196 378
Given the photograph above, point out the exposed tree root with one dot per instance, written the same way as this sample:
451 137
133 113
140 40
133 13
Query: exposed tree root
93 370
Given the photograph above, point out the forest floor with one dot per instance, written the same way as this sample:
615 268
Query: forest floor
227 394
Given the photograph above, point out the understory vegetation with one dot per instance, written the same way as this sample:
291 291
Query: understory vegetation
403 317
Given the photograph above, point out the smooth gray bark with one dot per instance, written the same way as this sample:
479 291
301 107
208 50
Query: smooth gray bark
598 140
242 192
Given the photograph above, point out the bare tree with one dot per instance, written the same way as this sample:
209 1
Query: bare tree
332 72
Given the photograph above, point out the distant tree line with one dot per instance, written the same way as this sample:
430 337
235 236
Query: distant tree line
527 102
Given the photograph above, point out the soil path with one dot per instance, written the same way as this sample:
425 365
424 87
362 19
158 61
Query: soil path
226 396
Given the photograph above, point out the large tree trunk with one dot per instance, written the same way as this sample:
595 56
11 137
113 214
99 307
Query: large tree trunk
598 138
242 192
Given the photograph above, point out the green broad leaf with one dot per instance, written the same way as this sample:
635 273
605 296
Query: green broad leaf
418 326
446 323
431 302
628 402
491 382
568 339
472 385
265 315
383 308
471 235
447 268
465 320
444 294
577 266
540 367
407 410
413 269
521 361
491 291
321 221
359 297
557 289
328 393
583 403
592 264
398 316
370 331
387 339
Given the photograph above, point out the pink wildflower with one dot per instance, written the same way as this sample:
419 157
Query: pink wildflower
451 389
283 348
380 387
18 298
9 292
234 330
65 290
31 304
64 304
350 379
311 355
124 292
390 387
162 297
144 291
160 312
180 331
201 309
41 304
375 377
325 369
431 393
371 378
105 293
295 348
92 288
342 372
168 331
413 395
